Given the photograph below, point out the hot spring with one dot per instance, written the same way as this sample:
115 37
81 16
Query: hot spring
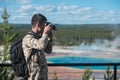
75 59
98 52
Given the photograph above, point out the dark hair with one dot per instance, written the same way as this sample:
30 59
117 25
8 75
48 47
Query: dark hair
38 18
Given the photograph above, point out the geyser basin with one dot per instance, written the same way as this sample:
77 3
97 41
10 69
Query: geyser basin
75 59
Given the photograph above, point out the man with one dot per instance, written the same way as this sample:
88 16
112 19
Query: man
36 44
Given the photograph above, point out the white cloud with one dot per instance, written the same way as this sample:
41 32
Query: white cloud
105 15
1 9
71 10
85 10
21 16
24 1
87 14
66 8
67 14
46 9
86 17
26 8
17 17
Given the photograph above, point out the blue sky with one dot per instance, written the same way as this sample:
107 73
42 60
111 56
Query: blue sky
63 11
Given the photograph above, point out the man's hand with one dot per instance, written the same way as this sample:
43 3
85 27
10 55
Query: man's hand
50 36
47 29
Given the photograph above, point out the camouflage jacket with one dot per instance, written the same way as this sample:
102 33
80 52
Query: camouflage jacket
30 42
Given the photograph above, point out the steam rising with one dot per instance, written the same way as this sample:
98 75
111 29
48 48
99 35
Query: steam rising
102 45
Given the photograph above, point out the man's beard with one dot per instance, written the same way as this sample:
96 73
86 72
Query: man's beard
40 32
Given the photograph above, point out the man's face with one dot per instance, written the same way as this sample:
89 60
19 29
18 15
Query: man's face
41 27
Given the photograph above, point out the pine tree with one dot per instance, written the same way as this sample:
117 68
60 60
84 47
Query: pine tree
93 77
87 74
55 76
108 75
5 27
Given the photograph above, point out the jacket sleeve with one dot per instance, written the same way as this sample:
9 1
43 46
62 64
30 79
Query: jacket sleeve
31 42
48 48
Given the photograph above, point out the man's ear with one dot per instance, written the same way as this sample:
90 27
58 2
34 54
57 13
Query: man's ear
37 24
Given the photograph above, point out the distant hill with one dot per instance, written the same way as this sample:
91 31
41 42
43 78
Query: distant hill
76 25
73 33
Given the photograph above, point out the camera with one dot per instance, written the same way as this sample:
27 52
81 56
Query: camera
53 26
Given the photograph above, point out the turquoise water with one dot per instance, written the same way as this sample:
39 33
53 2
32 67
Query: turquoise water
73 59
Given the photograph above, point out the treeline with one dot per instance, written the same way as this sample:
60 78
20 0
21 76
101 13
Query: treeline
77 34
68 35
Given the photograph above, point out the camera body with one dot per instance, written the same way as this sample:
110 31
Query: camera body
53 26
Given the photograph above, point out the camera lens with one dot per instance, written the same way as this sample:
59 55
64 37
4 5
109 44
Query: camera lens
47 23
53 26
